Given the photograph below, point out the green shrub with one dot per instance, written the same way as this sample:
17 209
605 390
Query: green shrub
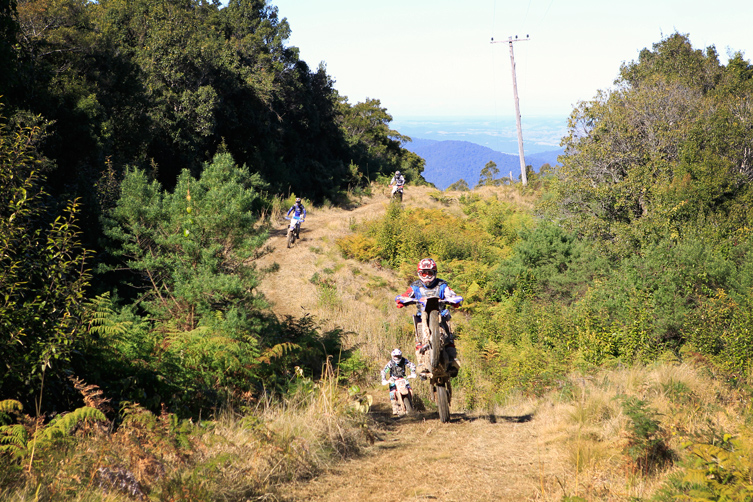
647 449
43 276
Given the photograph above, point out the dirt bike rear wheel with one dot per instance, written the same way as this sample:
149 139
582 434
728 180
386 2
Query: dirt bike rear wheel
436 346
443 404
291 238
408 404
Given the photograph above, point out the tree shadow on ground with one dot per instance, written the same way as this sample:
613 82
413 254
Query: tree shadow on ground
494 419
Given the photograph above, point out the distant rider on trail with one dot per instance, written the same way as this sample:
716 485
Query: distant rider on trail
300 212
428 281
396 368
397 182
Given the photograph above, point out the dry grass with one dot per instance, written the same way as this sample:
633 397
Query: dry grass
577 436
296 439
234 457
590 429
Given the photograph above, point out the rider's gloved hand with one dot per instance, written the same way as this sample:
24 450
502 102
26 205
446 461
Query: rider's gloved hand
384 382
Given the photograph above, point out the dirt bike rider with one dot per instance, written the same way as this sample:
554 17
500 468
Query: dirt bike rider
300 212
428 280
397 368
397 182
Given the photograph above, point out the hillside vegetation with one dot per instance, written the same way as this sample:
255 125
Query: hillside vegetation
157 342
448 161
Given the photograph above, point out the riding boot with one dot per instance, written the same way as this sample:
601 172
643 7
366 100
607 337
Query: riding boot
454 364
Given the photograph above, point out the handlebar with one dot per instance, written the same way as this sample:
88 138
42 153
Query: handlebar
394 379
407 300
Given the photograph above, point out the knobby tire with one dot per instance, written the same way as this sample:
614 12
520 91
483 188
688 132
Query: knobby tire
443 404
291 238
436 346
408 404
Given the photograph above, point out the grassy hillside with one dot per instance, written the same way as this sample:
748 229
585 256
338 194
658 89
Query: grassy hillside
610 432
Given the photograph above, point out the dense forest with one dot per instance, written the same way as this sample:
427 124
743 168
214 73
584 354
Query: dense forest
123 121
145 143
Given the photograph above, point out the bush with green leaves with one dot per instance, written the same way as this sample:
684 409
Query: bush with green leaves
195 372
43 275
712 470
646 447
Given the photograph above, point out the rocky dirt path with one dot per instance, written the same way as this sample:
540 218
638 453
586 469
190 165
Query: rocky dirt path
502 456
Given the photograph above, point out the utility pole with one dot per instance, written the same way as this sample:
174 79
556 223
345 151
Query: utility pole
510 40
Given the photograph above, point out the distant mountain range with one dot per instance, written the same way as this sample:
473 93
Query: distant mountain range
449 161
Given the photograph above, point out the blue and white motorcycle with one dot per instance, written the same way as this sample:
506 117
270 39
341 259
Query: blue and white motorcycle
294 229
435 339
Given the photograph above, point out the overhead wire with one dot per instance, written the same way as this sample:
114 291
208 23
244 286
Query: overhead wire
496 122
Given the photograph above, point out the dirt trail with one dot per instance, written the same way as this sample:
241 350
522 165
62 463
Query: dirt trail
419 458
290 290
473 457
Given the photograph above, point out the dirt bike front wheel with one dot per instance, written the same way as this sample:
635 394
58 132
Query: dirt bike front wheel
291 238
443 404
436 345
408 404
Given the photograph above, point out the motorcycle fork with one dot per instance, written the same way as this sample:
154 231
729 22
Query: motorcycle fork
399 397
441 381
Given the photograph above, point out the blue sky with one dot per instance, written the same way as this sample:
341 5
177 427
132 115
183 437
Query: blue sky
433 58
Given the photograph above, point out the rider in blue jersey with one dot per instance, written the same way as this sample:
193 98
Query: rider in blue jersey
428 280
298 212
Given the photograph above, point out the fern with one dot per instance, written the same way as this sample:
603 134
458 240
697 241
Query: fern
99 314
13 438
92 394
277 351
8 406
137 417
64 425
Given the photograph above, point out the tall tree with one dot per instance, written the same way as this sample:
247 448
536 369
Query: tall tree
8 29
487 175
660 149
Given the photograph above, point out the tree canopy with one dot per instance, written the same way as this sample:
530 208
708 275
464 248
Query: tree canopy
164 85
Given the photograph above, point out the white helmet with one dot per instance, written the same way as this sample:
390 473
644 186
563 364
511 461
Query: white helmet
397 173
397 355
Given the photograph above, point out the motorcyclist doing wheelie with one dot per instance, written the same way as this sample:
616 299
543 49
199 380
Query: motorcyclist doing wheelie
428 280
396 368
